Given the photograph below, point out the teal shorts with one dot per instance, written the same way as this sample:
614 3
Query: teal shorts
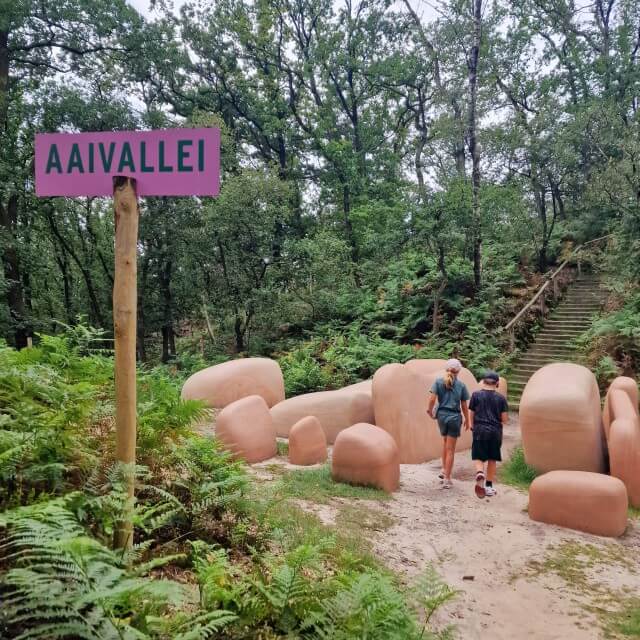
450 424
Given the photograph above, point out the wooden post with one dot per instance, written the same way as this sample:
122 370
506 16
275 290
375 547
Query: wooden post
512 338
556 288
124 330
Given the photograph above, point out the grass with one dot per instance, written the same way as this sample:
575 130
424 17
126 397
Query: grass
626 622
317 485
634 513
578 564
516 472
283 448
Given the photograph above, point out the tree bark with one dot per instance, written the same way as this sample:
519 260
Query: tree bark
12 275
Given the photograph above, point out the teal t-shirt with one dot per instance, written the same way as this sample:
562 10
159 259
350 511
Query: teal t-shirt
449 399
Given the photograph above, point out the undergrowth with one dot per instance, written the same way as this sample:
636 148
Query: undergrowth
215 555
516 472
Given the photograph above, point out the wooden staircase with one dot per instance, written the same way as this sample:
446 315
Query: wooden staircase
555 342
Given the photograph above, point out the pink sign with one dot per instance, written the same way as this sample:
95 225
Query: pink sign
168 162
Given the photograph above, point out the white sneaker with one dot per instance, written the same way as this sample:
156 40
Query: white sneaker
489 492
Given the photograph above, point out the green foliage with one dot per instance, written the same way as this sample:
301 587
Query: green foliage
516 471
302 372
612 343
60 582
317 485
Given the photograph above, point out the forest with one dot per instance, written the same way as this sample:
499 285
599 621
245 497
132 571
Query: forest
398 178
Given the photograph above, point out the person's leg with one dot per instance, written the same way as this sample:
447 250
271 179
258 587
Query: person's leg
450 447
444 456
491 470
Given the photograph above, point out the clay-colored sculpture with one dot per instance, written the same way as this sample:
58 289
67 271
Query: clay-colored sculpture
400 399
225 383
503 387
623 383
336 410
560 419
590 502
307 442
624 455
365 454
427 366
245 428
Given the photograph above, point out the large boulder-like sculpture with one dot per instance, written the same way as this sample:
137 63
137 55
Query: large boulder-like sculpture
560 419
307 442
630 388
427 366
400 398
336 410
366 455
624 455
225 383
245 429
590 502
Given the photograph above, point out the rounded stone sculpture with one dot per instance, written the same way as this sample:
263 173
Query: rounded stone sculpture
366 455
560 419
624 455
336 410
245 429
307 442
503 387
621 383
225 383
590 502
400 398
427 366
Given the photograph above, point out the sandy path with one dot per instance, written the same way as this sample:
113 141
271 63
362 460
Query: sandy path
491 543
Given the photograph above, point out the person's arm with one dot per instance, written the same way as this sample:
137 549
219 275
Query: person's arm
504 417
432 403
465 412
471 415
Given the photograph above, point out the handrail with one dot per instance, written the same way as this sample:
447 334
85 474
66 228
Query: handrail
550 279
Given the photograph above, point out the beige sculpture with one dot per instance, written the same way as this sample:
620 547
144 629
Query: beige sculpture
590 502
560 419
245 428
336 410
400 404
622 383
503 387
427 366
225 383
367 455
307 442
624 455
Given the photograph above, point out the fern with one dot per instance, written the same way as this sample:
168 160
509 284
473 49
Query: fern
61 583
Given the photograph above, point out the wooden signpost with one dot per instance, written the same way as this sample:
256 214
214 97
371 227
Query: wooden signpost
127 164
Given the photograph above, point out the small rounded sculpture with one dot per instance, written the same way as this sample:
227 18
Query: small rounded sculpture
581 500
561 421
245 429
307 442
366 455
624 455
225 383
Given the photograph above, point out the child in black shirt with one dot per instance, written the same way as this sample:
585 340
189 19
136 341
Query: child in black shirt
488 412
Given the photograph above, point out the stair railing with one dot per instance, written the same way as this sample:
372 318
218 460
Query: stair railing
554 283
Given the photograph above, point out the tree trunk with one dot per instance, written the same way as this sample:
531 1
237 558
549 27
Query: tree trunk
168 343
239 333
473 145
11 264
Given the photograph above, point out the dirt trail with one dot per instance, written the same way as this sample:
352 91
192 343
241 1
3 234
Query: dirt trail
484 548
494 555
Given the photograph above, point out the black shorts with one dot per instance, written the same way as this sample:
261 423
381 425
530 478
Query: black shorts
486 450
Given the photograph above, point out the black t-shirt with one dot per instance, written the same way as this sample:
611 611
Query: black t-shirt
487 406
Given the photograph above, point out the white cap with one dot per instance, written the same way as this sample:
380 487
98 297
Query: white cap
454 365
